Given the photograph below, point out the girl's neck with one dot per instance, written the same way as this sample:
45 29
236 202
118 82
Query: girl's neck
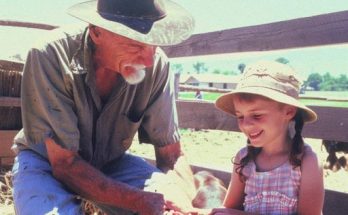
284 149
273 156
280 146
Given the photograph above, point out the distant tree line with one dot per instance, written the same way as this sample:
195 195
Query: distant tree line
327 82
315 81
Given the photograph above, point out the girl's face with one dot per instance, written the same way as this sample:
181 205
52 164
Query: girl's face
263 121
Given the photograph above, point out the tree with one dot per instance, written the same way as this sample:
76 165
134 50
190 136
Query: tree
342 82
17 57
282 60
241 67
216 71
328 83
177 67
199 67
314 80
334 84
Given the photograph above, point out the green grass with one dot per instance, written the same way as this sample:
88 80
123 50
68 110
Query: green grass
311 102
206 96
314 102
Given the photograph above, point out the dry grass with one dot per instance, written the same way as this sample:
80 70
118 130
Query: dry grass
6 200
206 148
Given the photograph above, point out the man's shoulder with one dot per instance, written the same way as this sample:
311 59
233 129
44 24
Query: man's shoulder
70 30
65 34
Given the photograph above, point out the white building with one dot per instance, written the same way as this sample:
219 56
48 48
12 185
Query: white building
210 80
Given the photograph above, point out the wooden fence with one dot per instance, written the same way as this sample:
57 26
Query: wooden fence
327 29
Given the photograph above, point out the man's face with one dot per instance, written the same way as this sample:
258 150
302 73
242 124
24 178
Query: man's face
126 56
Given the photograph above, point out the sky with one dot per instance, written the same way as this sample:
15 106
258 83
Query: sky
209 16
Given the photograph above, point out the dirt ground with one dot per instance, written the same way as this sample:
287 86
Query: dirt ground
213 148
207 148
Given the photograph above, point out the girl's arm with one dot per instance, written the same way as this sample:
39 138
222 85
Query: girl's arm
235 192
311 196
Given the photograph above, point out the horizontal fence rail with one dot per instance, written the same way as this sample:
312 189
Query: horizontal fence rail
11 65
41 26
326 29
311 31
332 123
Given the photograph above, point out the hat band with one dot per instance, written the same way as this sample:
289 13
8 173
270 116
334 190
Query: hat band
141 25
284 88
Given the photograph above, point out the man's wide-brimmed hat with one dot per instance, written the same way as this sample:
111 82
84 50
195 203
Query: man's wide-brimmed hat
154 22
273 80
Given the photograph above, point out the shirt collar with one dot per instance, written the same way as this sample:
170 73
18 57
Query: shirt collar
81 60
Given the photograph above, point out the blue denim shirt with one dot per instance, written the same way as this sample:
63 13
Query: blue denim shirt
59 99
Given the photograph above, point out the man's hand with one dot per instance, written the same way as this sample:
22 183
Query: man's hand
179 188
150 204
176 194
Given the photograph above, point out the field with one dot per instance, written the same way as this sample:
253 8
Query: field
212 149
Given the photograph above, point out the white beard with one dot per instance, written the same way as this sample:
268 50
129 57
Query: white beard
136 76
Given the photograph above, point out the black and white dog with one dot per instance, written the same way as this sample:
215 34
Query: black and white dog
333 162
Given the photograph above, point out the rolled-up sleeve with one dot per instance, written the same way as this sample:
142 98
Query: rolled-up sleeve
47 102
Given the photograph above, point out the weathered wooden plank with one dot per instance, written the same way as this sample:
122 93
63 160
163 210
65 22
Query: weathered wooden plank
331 125
335 203
11 65
303 32
6 140
13 23
203 115
6 101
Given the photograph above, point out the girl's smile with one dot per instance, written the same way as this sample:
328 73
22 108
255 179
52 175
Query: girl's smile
263 121
254 136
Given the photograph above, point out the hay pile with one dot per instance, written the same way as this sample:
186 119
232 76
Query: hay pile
5 188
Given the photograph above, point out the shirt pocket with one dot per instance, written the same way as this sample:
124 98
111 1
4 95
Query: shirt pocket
129 129
271 202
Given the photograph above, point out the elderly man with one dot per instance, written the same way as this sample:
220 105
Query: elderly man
85 94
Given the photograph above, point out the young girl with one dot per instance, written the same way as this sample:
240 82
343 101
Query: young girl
276 173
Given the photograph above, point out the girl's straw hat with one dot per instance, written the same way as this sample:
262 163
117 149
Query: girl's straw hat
270 79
